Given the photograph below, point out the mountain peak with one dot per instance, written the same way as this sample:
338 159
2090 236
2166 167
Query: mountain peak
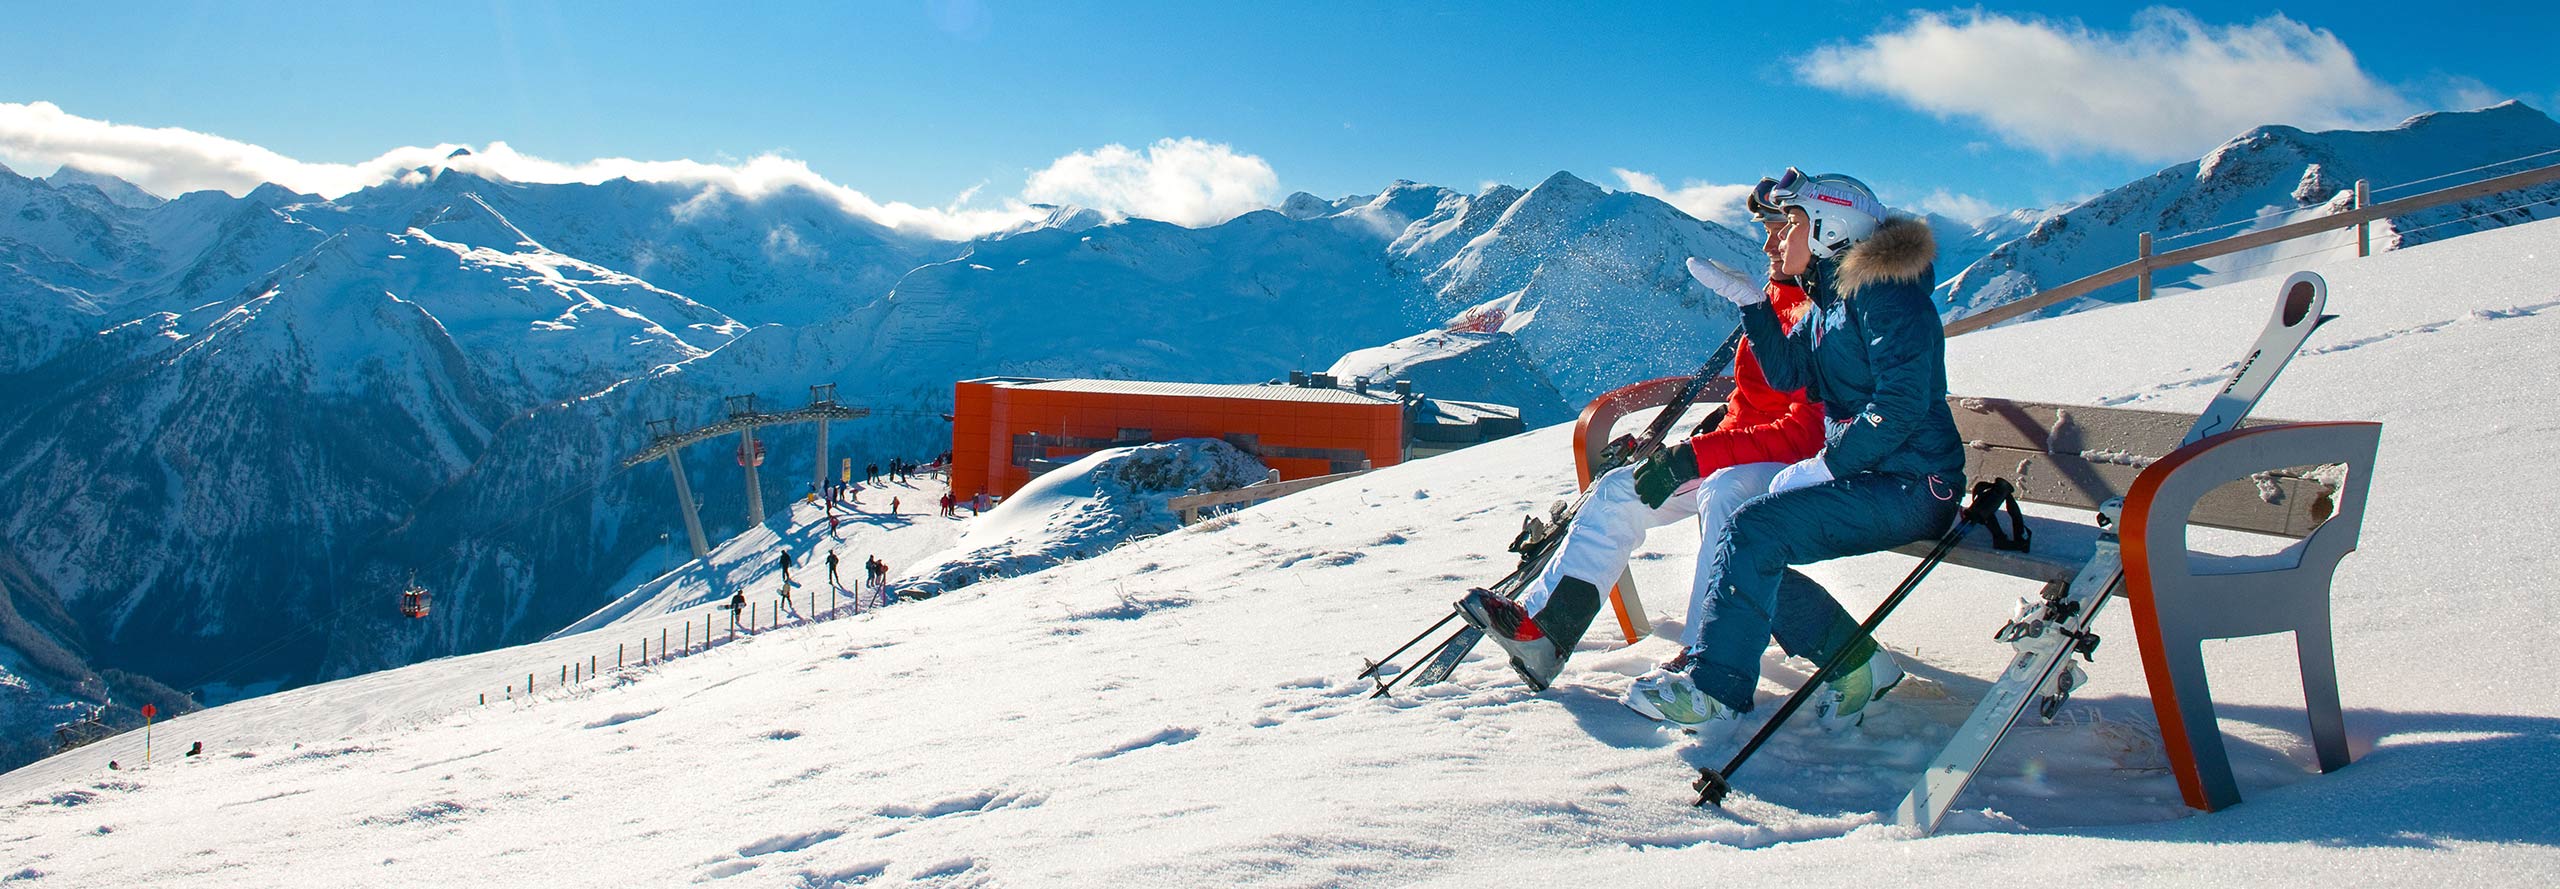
1302 205
116 190
272 194
1565 180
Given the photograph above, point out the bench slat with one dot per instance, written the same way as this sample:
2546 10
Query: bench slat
2059 549
2073 428
2299 504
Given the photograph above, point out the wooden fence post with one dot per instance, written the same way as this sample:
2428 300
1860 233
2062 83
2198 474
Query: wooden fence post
564 674
484 699
617 655
528 685
2142 279
688 635
2364 230
662 643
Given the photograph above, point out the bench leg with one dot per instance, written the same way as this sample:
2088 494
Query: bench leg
1633 623
2189 730
2312 647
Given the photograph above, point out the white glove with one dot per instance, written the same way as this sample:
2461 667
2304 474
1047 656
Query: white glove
1804 473
1726 282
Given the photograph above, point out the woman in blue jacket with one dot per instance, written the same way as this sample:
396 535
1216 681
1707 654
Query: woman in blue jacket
1872 353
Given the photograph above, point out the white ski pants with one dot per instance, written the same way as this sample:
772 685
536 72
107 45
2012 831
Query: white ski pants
1613 522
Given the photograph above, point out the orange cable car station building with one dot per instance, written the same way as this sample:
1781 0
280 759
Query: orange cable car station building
1007 430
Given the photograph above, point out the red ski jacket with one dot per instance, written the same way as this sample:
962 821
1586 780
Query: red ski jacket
1761 424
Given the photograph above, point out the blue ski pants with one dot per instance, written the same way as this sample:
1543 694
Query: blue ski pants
1756 596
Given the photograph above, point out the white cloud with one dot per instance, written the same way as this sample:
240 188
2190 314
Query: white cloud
2171 88
1720 204
1957 206
1186 181
1182 181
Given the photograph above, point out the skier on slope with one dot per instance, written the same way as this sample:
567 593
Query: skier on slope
1708 476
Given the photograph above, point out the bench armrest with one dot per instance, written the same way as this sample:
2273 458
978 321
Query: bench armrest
2175 608
1591 430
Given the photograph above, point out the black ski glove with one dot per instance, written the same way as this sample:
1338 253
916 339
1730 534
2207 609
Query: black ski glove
1664 473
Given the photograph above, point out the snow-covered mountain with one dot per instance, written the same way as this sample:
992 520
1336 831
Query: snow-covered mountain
1184 710
2264 178
232 426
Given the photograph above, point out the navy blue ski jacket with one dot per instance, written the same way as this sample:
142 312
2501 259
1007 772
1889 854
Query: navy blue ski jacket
1872 352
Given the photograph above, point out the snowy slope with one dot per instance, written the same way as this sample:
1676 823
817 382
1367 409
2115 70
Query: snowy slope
1180 711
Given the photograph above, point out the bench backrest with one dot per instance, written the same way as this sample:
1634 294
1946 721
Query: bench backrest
2079 456
2068 455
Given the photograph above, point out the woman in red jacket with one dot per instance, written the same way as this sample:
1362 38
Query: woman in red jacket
1763 431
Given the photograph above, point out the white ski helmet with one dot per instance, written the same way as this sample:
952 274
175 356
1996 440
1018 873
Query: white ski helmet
1843 210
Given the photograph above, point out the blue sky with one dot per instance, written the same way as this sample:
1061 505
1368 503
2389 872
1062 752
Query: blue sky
922 103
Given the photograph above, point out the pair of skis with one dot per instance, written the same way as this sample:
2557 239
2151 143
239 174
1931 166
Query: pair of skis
1539 538
2051 635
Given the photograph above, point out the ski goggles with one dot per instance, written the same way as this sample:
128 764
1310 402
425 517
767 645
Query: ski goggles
1786 188
1770 198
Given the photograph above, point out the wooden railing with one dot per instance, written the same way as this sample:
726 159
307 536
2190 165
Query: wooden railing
2142 267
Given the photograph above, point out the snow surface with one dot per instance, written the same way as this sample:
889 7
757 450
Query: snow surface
1181 711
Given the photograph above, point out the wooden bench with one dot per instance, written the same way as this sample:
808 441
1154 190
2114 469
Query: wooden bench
2302 483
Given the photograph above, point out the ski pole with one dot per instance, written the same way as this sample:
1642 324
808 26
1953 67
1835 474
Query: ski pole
1375 665
1713 784
1390 685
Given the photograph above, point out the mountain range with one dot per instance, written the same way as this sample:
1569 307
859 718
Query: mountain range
231 428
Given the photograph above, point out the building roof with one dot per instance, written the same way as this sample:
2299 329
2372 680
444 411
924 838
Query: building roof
1256 391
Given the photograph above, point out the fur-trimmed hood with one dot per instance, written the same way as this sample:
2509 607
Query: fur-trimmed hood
1902 249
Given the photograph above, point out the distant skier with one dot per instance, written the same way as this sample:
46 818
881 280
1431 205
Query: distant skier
197 749
831 571
1708 476
980 504
737 609
870 472
893 506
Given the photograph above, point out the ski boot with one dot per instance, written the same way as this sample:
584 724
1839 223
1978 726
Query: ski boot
1845 698
1667 694
1533 654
